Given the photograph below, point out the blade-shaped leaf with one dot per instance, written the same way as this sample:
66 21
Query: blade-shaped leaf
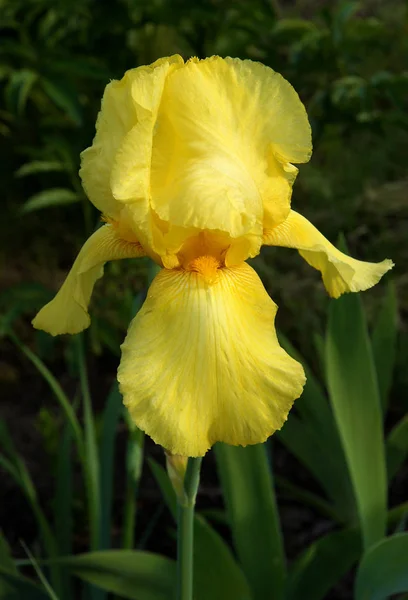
383 570
397 447
304 496
216 573
323 564
16 467
250 500
134 466
84 66
356 405
39 166
90 449
165 486
64 96
315 434
305 443
6 559
384 341
63 506
18 89
57 390
51 197
17 587
91 460
130 573
63 494
44 581
110 420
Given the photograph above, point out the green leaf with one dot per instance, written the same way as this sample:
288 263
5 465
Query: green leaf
345 10
323 564
90 450
216 573
7 320
348 90
19 299
308 445
63 494
248 490
397 514
57 390
6 559
18 90
383 570
166 487
292 28
7 442
303 496
315 434
63 522
215 515
319 344
397 447
65 97
45 583
17 587
384 341
134 465
26 296
39 166
16 467
355 399
110 421
50 197
342 13
88 68
129 573
5 71
90 460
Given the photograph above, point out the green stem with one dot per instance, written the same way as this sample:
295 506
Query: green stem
185 530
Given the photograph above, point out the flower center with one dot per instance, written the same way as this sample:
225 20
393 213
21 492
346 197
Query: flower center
207 266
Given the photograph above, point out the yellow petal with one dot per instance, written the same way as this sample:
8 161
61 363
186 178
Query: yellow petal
127 118
277 192
68 311
222 127
116 117
130 177
201 362
340 272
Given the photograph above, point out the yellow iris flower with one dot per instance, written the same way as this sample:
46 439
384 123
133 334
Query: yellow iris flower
192 165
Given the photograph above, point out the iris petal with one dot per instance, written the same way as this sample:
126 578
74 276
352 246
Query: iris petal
201 362
128 111
226 131
68 311
340 272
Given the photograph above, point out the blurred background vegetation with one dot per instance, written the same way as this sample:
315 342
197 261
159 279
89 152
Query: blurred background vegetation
348 62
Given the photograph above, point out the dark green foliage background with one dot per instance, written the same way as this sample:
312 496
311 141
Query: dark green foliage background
347 60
